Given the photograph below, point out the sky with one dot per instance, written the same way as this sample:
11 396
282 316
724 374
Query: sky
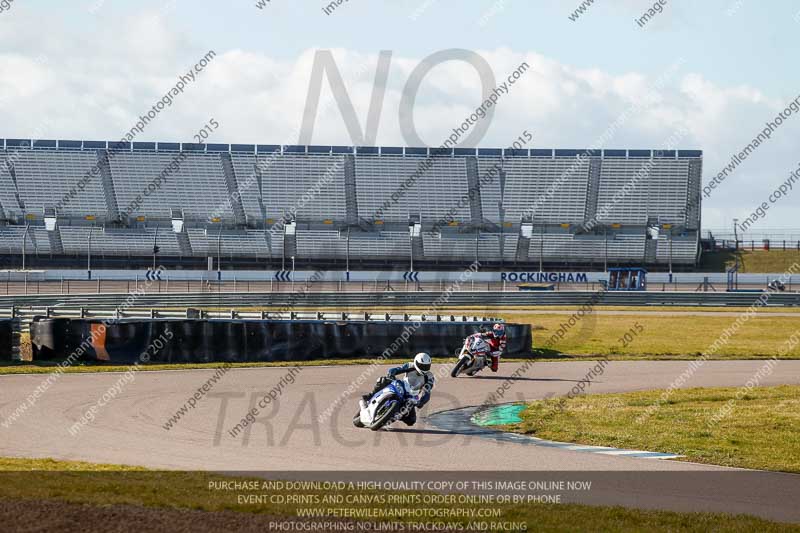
714 71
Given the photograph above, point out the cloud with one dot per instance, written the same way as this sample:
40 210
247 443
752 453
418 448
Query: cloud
91 92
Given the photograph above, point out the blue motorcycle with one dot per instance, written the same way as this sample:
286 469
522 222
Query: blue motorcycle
388 405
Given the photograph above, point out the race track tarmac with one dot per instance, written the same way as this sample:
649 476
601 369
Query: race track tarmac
293 433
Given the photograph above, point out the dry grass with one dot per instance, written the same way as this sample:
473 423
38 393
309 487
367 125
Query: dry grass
752 261
761 430
669 337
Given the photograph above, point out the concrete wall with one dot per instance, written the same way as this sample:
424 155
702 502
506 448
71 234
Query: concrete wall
465 277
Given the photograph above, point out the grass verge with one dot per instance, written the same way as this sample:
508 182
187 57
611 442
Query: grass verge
722 426
663 337
751 261
108 485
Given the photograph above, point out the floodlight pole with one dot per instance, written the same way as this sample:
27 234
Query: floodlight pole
670 255
283 250
502 237
219 254
24 239
89 254
541 249
347 253
411 244
155 243
477 245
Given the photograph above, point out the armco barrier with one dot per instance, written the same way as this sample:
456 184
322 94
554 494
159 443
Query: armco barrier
199 341
472 300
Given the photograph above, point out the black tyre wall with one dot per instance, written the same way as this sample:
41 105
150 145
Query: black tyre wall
197 341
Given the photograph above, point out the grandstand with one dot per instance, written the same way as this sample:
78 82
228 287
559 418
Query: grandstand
337 205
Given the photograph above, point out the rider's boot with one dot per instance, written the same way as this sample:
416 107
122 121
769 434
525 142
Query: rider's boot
495 362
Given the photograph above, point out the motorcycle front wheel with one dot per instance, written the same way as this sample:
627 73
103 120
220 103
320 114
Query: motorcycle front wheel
385 413
460 365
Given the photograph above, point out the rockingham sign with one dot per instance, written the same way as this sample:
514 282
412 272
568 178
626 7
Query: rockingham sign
286 276
549 277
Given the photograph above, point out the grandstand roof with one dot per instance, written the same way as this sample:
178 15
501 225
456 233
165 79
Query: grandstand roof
50 144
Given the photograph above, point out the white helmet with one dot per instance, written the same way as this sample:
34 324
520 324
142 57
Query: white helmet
422 362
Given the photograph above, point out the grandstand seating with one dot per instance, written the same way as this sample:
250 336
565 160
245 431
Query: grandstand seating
196 186
248 180
11 238
684 249
430 196
527 182
660 191
118 241
246 243
462 246
234 200
391 244
565 247
286 179
325 243
367 245
43 178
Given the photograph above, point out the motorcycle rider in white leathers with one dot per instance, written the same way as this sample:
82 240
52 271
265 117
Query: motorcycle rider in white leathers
419 378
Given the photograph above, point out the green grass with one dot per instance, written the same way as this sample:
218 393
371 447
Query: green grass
762 431
663 337
751 261
45 479
687 310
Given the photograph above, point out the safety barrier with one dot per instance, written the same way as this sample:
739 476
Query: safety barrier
217 340
432 300
9 339
26 315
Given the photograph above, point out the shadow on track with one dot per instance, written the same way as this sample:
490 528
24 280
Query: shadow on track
503 378
440 431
